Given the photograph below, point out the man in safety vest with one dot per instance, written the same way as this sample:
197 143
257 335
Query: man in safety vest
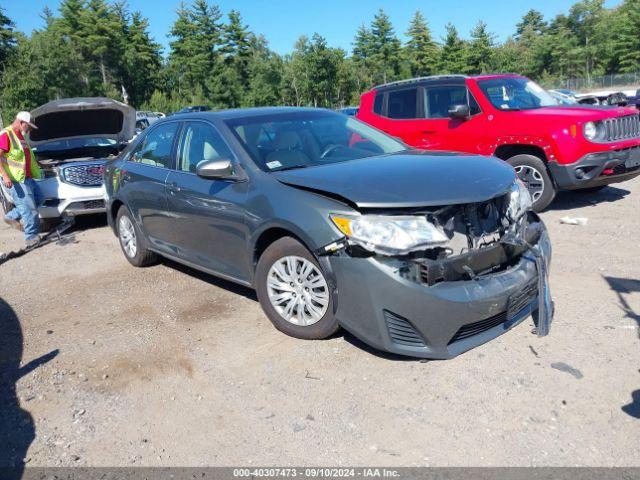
19 168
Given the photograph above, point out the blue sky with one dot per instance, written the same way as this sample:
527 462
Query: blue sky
283 21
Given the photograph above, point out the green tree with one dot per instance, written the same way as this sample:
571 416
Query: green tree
422 51
197 34
481 49
385 49
533 20
626 37
8 39
453 54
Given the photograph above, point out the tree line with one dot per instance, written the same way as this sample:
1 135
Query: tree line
102 48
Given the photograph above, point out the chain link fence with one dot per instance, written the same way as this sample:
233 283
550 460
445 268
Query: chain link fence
629 80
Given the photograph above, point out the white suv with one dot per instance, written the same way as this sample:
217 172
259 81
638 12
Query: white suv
74 140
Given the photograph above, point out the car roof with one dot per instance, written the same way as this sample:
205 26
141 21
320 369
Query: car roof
450 79
248 112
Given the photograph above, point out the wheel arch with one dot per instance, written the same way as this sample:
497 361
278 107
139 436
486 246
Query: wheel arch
505 152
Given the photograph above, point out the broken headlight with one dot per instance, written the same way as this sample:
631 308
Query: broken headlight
390 235
519 201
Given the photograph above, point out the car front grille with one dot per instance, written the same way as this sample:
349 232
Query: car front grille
517 303
402 332
621 128
83 175
475 328
87 205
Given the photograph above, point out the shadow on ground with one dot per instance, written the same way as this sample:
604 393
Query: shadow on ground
622 287
567 200
17 428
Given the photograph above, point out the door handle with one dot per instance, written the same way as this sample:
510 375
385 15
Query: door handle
428 131
173 187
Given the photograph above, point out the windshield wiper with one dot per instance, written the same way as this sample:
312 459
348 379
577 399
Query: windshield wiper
293 167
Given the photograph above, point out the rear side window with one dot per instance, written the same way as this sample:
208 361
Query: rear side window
402 104
155 149
439 100
377 104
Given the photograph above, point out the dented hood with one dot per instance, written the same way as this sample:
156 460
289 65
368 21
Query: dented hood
82 117
409 179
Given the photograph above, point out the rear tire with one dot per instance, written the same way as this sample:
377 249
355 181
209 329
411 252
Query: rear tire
131 240
533 172
294 292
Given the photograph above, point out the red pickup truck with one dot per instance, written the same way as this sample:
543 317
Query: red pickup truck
551 147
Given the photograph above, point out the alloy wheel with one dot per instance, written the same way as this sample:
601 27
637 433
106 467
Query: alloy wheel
297 290
533 180
127 234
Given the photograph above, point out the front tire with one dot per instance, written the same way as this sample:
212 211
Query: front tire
294 292
534 174
132 241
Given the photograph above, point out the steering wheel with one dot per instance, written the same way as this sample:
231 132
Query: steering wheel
330 148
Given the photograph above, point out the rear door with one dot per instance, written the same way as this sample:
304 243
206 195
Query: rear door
143 181
440 132
401 114
207 215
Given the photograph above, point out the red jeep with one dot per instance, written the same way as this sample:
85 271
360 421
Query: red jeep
551 147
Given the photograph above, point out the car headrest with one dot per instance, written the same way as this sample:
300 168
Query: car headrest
287 140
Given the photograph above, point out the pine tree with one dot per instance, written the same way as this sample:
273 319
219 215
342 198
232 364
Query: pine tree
626 40
532 20
480 51
8 39
453 52
385 49
197 34
421 50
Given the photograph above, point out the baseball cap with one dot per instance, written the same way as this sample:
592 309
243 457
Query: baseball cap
26 117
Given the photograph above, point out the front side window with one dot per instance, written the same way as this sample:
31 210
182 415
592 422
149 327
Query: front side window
515 93
308 139
155 149
402 104
200 142
438 101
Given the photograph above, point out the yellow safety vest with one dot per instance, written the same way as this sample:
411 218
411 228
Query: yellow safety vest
16 159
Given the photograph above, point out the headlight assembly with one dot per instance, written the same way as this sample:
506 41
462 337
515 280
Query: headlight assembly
390 235
519 201
590 130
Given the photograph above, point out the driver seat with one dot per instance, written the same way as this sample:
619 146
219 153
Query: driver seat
288 150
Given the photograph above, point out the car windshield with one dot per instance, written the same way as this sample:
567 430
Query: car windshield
76 143
516 93
307 139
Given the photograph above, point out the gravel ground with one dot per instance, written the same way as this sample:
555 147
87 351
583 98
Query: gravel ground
103 364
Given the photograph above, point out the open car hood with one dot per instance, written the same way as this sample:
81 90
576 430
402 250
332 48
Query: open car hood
405 180
82 117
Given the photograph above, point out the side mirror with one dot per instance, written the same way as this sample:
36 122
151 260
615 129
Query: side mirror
220 169
460 112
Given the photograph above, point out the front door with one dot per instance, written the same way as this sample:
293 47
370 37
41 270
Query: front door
207 215
440 131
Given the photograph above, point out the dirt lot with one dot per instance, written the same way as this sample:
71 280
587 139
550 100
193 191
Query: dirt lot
166 366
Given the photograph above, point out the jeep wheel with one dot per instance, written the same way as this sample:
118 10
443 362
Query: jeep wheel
294 292
533 173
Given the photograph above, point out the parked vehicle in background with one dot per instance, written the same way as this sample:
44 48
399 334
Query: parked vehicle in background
562 98
151 117
349 111
604 97
551 147
141 125
193 109
74 139
336 224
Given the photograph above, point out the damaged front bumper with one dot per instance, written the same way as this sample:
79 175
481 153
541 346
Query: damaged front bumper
442 308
